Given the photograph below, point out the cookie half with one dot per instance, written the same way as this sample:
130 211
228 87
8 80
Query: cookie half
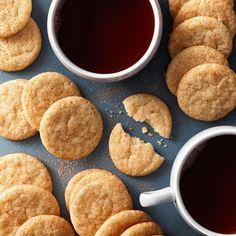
131 155
71 128
21 168
14 16
119 223
220 9
21 49
189 58
13 124
46 225
94 203
201 30
208 92
42 91
22 202
152 110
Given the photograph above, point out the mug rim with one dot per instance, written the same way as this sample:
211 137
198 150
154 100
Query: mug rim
109 77
178 166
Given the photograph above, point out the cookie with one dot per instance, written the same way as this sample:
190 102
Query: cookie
201 30
20 168
220 9
13 124
208 92
46 226
71 128
119 223
22 202
189 58
21 49
152 110
95 203
143 229
131 155
42 91
14 15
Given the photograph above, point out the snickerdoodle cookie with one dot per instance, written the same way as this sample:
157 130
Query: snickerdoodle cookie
71 128
208 92
131 155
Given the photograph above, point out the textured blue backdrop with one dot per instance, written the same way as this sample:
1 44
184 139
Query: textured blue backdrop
108 98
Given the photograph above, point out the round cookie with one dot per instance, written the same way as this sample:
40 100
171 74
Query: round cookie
21 49
14 15
42 91
208 92
143 229
95 203
13 124
220 9
71 128
46 226
131 155
22 202
152 110
20 168
201 30
119 223
189 58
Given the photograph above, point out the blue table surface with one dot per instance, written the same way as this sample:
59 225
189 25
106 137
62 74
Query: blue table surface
108 98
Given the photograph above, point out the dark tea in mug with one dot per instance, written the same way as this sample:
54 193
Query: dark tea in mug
208 184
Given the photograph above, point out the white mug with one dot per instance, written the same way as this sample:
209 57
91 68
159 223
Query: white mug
172 193
112 77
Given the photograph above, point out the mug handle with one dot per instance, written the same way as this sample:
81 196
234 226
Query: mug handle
158 197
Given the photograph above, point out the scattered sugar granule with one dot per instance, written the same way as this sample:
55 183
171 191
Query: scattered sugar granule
144 130
165 146
150 134
159 142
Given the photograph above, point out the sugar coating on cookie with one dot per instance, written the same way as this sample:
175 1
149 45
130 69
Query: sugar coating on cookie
21 168
175 5
46 225
219 9
22 202
21 49
144 229
119 223
189 58
152 110
201 30
42 91
14 16
71 128
95 203
13 124
131 155
208 92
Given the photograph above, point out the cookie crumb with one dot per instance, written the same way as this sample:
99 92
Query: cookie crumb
144 130
165 146
159 142
120 112
150 134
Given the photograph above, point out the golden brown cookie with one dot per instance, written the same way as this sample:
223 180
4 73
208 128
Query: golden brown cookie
201 30
13 124
143 229
208 92
220 9
22 202
189 58
14 15
21 49
71 128
21 168
95 203
46 226
151 109
42 91
131 155
119 223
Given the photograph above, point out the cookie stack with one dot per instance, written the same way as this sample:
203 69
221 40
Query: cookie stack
70 126
199 45
27 206
20 37
99 204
